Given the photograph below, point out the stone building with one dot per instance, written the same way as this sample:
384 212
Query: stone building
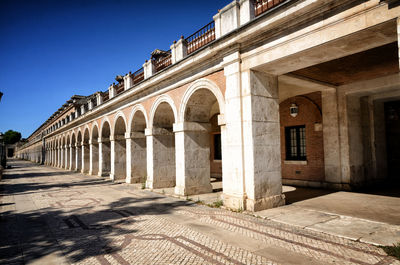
270 92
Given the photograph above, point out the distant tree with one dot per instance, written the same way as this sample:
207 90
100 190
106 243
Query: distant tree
11 137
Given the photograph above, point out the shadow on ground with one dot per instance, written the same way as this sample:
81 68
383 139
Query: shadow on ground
76 234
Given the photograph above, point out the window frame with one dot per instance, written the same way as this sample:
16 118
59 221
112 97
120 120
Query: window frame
288 143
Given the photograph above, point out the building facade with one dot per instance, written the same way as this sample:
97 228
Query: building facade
271 92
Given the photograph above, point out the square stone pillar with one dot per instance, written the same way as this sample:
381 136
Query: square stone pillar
71 156
178 50
398 37
99 98
247 11
330 127
90 157
227 19
90 104
112 91
138 157
262 149
82 157
77 150
100 172
192 158
128 81
149 68
160 158
232 145
112 144
66 157
128 156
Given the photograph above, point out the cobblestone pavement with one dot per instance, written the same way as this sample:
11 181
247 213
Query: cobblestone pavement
50 216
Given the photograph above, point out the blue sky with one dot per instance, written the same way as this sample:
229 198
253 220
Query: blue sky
51 50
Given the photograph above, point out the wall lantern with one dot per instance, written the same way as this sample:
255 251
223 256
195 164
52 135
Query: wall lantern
294 110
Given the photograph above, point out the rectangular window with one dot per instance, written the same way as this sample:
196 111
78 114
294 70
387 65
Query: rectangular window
295 142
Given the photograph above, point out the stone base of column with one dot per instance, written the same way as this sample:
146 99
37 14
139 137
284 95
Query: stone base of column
235 202
132 180
82 171
181 190
265 203
90 172
112 177
159 184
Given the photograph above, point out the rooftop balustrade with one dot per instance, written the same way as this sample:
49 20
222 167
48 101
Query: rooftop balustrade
163 62
201 37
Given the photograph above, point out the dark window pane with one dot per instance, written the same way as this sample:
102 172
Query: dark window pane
217 147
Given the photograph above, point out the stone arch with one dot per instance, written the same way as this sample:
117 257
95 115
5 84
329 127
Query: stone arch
201 84
137 109
105 122
161 169
166 99
200 138
138 162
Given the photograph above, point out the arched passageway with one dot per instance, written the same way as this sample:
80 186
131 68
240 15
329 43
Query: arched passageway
105 150
161 149
94 154
118 167
200 145
138 148
85 152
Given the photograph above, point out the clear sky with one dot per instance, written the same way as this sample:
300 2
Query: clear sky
53 49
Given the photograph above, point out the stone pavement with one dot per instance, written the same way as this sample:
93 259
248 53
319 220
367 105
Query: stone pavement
49 216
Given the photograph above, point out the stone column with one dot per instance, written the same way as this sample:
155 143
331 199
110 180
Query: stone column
398 36
77 150
90 157
138 158
160 158
61 164
261 134
66 157
128 158
83 157
330 127
192 158
112 143
100 173
232 149
70 156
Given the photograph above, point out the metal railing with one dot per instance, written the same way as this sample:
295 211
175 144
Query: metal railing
201 37
163 62
120 88
260 6
138 76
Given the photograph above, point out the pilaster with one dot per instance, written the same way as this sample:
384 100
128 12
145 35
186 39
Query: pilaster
178 50
149 69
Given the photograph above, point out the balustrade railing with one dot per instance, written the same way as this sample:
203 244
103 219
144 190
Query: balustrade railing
163 62
201 37
260 6
138 76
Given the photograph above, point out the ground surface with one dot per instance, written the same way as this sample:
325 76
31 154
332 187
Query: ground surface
49 216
